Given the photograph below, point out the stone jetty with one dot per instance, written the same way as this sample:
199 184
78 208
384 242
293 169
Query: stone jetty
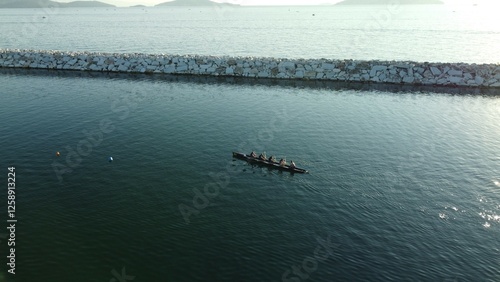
394 72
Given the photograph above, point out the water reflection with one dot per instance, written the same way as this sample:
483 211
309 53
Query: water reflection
287 83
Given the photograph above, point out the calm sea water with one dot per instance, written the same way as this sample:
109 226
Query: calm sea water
404 183
419 33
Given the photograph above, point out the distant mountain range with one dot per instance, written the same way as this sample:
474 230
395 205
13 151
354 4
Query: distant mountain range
388 2
192 3
48 3
78 4
87 4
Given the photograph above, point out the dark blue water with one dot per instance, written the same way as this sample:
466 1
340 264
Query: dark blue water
402 185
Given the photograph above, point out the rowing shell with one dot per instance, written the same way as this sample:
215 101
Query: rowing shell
253 160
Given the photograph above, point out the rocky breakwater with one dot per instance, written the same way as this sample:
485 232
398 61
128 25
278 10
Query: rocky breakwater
396 72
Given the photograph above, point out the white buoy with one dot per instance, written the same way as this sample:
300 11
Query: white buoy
110 159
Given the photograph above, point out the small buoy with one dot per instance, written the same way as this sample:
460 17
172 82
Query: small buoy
110 159
58 154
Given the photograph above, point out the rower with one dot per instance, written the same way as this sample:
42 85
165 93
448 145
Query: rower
272 159
262 156
292 164
253 154
282 162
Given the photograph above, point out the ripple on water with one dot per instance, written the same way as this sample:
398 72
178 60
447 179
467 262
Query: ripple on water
393 196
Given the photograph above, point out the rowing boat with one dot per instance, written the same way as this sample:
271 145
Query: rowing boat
267 163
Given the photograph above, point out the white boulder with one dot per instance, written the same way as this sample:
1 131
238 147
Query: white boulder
169 69
435 71
455 72
408 79
479 80
182 67
229 71
454 79
375 69
327 66
287 65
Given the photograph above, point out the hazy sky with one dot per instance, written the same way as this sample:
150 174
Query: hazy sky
126 3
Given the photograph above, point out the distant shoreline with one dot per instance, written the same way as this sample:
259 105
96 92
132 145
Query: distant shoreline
389 72
33 4
390 2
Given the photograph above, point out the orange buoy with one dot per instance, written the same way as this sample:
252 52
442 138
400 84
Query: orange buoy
58 154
